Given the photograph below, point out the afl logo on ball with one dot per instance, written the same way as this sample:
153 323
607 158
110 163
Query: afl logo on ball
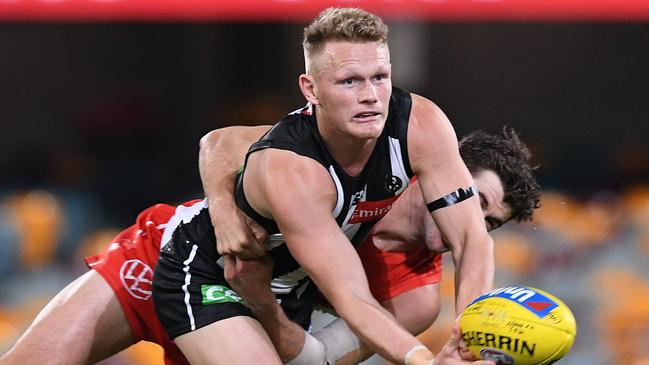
137 278
393 183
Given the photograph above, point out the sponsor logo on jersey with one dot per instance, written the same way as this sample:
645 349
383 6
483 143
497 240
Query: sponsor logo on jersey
371 211
393 183
213 294
137 277
532 300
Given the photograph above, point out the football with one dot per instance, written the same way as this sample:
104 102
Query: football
518 326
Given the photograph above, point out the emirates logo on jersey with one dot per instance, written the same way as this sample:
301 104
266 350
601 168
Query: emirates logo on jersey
137 278
372 210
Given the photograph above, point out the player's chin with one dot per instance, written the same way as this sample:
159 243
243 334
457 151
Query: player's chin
367 130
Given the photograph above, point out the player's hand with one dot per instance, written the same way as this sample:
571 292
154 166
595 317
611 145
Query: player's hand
464 352
250 279
453 354
237 234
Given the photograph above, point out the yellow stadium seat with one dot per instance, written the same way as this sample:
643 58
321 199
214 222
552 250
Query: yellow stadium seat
38 216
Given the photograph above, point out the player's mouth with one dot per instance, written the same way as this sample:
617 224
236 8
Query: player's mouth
367 117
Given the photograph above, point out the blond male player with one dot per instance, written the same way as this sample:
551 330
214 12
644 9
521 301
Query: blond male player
355 145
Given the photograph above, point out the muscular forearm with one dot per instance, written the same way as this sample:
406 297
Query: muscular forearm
380 331
251 279
287 336
474 272
222 153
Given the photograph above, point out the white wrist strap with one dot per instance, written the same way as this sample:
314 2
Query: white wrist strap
412 352
313 352
338 340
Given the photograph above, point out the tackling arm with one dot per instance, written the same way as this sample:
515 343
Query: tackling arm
435 159
251 280
222 153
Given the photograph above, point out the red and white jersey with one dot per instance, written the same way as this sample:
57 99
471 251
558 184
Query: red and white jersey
392 273
127 265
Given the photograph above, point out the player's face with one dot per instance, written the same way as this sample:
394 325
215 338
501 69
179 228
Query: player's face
492 199
353 87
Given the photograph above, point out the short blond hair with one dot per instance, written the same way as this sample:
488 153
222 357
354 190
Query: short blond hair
344 24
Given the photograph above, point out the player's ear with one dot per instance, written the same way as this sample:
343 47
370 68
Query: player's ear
308 88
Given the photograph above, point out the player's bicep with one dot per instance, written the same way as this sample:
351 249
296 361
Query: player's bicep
302 210
434 151
452 201
446 183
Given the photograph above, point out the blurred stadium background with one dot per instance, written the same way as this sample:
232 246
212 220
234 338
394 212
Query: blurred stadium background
102 104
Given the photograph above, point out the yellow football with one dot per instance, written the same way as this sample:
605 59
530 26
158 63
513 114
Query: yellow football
518 326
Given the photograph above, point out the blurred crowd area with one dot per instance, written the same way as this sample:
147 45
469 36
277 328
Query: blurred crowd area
100 121
591 252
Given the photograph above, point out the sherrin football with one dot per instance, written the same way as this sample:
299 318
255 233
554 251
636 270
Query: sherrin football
518 326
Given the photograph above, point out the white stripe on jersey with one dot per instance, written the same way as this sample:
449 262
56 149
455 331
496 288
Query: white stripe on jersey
340 198
188 279
182 214
283 284
396 160
275 240
350 230
308 108
302 288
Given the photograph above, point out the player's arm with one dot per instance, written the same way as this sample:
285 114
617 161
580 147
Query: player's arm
251 279
334 344
445 183
222 153
299 194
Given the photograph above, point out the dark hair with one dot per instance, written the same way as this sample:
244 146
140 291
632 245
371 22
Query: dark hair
508 157
346 24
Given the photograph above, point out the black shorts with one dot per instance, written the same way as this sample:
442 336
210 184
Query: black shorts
190 292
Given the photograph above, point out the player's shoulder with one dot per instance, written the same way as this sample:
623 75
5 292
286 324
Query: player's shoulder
428 117
425 109
296 131
282 165
298 118
287 179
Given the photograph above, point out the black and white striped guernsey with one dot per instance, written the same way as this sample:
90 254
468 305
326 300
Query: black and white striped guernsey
361 200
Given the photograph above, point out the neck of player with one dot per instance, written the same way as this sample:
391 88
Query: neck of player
350 152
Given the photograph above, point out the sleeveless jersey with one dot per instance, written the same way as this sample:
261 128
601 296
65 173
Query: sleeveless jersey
361 200
188 266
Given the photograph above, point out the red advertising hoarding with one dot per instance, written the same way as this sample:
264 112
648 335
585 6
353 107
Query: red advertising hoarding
303 10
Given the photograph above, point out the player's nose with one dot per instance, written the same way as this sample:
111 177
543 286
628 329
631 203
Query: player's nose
368 93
